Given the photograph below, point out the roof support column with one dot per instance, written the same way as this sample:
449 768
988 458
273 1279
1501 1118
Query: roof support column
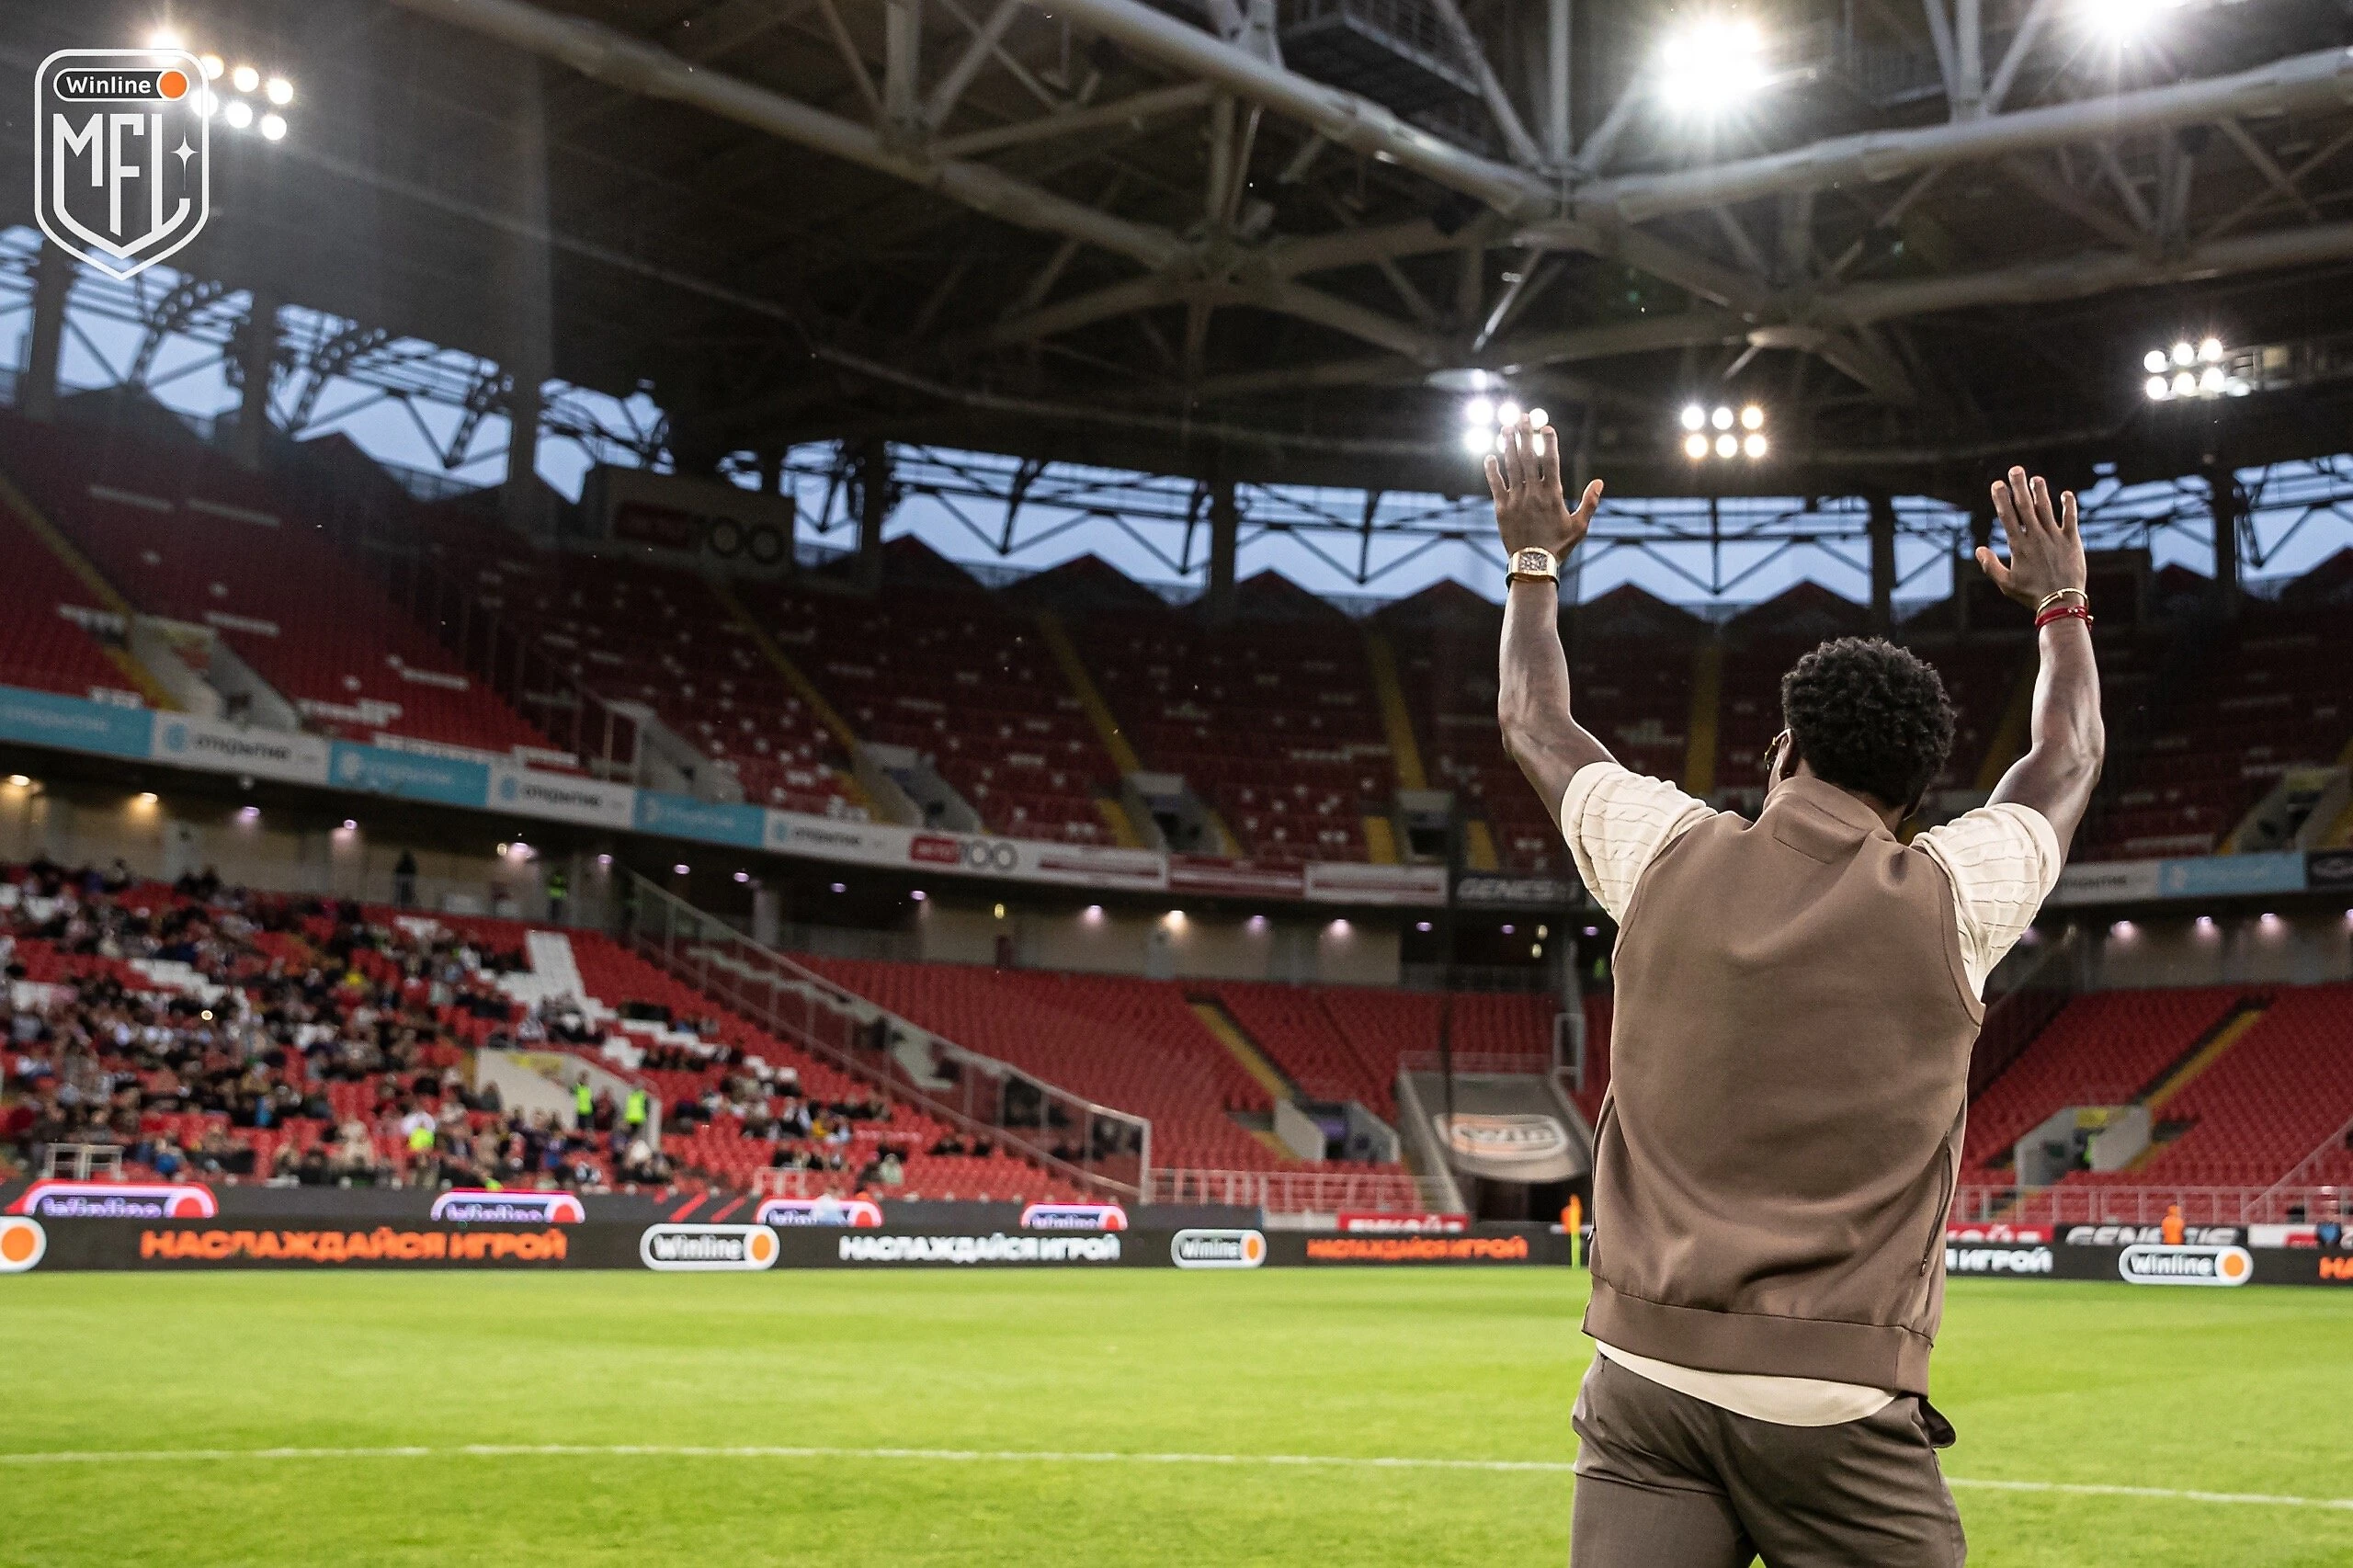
257 357
2228 505
1964 567
1556 93
36 383
520 498
869 485
1225 536
1882 543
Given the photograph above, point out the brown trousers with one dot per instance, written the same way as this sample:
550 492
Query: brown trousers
1667 1480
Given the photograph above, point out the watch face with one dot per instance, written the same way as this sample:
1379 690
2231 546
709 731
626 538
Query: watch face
1534 561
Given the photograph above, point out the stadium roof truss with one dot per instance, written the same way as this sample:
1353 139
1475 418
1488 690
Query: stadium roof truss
1268 243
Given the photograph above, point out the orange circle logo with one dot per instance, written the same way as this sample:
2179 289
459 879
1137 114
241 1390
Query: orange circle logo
2232 1264
1254 1247
22 1242
763 1246
172 83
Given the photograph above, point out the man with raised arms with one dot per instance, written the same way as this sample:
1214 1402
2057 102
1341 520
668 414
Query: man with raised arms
1797 998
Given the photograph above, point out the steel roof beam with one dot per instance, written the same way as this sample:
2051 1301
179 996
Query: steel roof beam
2302 84
632 65
2079 277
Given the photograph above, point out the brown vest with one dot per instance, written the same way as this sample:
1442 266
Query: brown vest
1789 1075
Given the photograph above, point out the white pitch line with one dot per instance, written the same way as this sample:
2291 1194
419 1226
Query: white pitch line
1040 1456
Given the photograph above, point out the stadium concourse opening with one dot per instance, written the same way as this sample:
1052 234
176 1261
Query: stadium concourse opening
800 639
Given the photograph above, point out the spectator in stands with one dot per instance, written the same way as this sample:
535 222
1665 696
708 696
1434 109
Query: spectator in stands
312 1169
2172 1230
404 880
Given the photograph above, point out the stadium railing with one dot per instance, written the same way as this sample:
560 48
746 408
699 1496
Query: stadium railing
979 1096
2065 1205
2335 1150
1292 1192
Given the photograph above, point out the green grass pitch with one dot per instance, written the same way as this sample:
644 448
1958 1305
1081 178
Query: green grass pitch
2235 1391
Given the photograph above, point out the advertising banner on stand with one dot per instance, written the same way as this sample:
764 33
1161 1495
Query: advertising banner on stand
562 797
1415 887
412 776
208 744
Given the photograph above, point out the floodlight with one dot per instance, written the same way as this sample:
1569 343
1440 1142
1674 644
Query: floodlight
208 103
2183 354
1507 413
1712 65
213 65
239 113
273 127
1752 418
1694 417
281 91
2159 388
165 38
2210 351
1537 420
245 78
1726 446
2123 21
2210 383
1477 441
1695 447
1479 410
2155 360
1754 446
2184 385
1721 419
2237 387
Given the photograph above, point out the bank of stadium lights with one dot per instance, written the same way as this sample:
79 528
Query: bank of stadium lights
1723 433
2191 371
1485 420
258 96
2124 21
1710 65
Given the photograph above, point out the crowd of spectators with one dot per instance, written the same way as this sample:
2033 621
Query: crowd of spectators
203 1031
301 1043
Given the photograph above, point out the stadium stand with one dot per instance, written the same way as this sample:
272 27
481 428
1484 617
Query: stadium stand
1132 1044
2262 694
1631 657
2106 1048
46 621
2268 1101
211 1034
184 534
635 630
957 676
1272 721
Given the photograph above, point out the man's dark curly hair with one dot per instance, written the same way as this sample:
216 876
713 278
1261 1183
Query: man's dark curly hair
1868 716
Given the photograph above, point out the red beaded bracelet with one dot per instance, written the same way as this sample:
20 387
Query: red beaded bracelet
2064 612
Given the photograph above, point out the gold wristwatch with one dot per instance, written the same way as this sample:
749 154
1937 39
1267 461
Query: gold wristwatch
1533 565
